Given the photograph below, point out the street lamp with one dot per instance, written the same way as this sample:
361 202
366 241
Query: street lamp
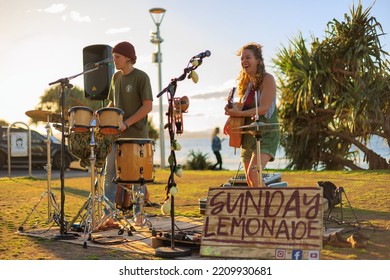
157 15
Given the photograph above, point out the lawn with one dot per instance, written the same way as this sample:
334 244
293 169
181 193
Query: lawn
367 192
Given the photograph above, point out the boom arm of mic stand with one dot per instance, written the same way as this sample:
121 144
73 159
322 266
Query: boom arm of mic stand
65 81
173 83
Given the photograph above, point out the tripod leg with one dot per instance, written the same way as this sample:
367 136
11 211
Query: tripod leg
21 228
356 221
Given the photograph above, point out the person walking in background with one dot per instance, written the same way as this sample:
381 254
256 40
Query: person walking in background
216 146
130 91
254 83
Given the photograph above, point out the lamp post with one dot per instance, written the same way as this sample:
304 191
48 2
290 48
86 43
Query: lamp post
157 15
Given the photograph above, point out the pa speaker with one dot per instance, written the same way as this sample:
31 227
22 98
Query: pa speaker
97 82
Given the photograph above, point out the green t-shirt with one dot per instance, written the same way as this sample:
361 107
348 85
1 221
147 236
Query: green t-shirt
127 92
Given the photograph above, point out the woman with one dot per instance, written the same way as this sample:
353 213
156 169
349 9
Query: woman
253 79
216 146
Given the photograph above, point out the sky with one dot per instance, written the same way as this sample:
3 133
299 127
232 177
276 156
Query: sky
43 40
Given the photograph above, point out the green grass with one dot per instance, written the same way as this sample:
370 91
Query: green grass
367 191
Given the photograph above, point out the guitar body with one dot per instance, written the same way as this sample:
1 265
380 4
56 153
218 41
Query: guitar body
235 135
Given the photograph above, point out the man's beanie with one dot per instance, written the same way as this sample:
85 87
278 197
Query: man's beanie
126 49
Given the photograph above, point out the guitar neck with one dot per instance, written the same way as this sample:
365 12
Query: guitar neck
231 98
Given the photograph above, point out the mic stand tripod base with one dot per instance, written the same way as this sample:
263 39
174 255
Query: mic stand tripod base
169 252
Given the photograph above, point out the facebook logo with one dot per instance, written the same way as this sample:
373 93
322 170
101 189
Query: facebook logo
296 254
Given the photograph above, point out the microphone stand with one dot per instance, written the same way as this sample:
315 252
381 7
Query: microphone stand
171 90
64 82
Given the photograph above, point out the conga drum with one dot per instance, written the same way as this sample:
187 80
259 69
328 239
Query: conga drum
134 160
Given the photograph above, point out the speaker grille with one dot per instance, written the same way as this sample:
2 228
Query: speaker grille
97 83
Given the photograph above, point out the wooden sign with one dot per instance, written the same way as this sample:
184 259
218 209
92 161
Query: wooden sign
263 223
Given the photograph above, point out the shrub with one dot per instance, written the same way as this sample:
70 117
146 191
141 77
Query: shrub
197 161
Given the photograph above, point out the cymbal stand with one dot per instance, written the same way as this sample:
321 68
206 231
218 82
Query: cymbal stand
51 198
258 140
258 154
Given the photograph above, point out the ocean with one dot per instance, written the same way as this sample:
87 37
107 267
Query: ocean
231 157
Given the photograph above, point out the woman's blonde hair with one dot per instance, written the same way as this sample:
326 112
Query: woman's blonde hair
215 132
243 78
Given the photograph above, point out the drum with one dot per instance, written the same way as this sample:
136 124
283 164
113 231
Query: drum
134 160
79 145
110 120
80 118
123 198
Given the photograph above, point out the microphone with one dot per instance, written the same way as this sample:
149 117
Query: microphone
103 62
202 55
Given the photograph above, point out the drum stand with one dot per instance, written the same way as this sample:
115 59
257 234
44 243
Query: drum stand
92 219
51 198
139 218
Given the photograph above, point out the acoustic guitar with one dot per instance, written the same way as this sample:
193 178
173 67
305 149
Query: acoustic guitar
235 135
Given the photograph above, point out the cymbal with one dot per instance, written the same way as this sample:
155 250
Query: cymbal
44 116
256 125
257 132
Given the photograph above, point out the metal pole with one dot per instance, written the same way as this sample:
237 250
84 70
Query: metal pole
157 15
162 142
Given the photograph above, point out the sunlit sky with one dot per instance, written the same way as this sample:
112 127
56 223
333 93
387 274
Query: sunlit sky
43 40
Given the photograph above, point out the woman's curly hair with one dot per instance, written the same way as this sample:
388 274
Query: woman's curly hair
243 78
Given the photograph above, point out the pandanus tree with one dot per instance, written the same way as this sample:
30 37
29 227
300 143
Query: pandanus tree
335 95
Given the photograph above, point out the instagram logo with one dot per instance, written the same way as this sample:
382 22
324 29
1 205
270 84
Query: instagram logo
280 254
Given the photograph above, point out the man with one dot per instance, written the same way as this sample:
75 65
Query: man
130 91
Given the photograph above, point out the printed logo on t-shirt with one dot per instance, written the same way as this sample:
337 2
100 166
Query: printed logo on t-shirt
129 88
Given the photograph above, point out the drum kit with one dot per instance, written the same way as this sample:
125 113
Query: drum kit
90 138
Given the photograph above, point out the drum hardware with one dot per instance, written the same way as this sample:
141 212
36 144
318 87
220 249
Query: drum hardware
93 218
65 83
51 198
59 127
137 198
